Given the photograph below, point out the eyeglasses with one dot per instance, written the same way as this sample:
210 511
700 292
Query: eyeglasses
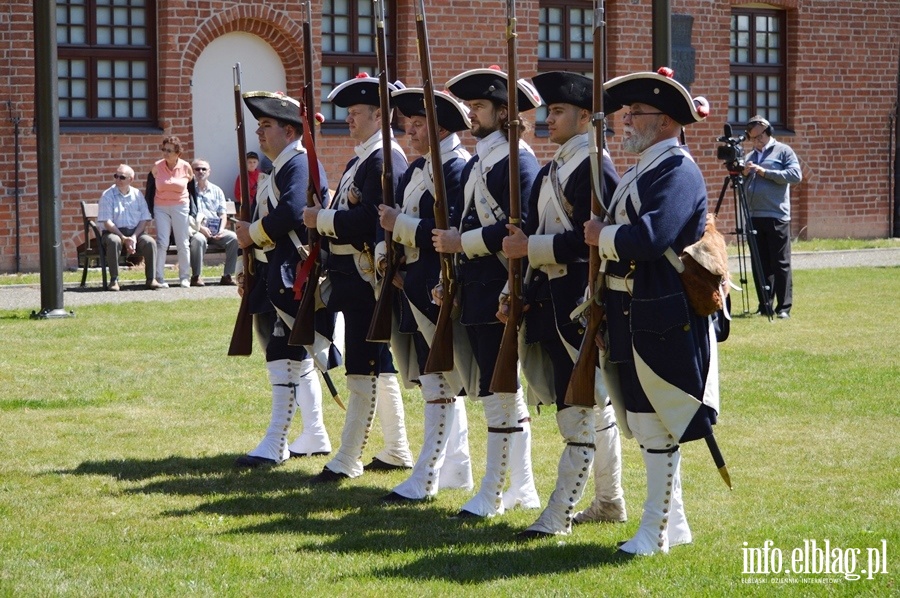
169 150
120 177
200 169
634 114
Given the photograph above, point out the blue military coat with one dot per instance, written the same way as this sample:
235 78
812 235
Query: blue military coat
483 275
660 203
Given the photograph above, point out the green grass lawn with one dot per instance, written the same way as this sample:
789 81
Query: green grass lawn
120 427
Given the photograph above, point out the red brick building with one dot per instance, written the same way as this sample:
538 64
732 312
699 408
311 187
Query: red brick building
133 71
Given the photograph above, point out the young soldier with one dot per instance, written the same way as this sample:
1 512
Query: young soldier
553 242
349 228
661 365
482 275
275 242
444 460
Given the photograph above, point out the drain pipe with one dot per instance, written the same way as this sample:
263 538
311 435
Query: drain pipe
15 121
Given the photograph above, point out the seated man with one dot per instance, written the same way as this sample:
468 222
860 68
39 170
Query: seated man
210 229
123 215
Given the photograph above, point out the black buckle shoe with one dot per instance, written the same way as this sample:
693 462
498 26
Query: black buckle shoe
301 455
327 476
398 499
467 516
379 465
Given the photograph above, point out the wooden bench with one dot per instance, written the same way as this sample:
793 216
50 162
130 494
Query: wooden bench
91 251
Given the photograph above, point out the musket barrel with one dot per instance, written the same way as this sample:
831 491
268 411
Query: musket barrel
506 377
380 326
581 385
440 357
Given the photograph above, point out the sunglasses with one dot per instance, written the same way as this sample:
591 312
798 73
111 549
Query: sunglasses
168 150
201 169
120 177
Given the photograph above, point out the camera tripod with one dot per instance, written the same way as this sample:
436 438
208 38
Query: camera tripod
746 239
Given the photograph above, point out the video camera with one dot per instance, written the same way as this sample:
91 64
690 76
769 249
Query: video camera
732 152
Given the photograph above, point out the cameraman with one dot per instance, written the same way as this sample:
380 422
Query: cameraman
770 169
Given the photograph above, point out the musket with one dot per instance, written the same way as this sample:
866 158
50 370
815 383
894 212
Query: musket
382 317
242 335
506 374
440 357
581 384
304 330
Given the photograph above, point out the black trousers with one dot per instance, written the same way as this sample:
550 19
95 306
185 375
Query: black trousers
774 240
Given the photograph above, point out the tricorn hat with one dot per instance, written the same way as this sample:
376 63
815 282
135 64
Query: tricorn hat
661 91
562 87
274 105
362 89
451 115
491 84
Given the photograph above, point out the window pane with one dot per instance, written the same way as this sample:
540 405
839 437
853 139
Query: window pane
79 88
104 109
123 109
104 69
78 109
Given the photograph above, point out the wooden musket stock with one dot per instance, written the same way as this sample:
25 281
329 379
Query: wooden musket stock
242 335
304 331
506 374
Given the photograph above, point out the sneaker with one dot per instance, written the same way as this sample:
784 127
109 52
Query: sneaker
783 315
152 285
114 285
227 281
185 283
196 281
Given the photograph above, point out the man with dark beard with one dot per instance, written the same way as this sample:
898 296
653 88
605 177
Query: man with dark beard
482 275
660 365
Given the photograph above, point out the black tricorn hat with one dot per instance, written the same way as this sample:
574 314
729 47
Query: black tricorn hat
491 84
451 115
362 89
274 105
661 91
562 87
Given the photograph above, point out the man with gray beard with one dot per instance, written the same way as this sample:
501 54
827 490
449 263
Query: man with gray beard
659 362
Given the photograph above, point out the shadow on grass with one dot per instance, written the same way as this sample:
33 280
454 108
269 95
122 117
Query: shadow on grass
349 517
15 315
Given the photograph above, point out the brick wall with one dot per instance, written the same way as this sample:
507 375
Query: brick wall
843 74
